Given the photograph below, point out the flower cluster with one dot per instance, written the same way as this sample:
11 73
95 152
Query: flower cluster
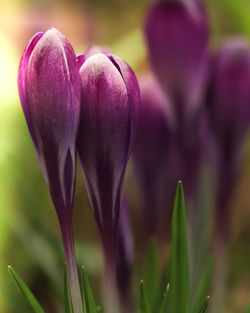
194 109
84 104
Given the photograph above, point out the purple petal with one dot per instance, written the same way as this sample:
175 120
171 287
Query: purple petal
229 92
22 73
177 40
152 150
80 59
50 95
133 92
228 99
106 125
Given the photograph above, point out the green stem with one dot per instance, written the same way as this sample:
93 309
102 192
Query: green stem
69 250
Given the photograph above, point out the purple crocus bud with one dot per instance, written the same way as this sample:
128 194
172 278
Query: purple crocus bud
49 89
109 100
109 97
228 104
229 92
152 151
177 39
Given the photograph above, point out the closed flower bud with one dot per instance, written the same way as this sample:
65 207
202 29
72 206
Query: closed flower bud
228 105
109 97
109 100
49 89
228 100
177 39
229 92
151 152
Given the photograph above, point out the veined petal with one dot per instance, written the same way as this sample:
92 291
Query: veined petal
22 73
50 94
177 40
110 96
104 128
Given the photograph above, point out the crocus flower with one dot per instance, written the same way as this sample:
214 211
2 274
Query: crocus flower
49 89
109 97
228 100
109 100
228 107
152 153
177 38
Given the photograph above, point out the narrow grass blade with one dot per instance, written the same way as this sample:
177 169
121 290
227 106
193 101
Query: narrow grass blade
88 296
67 296
204 306
202 289
165 301
25 291
179 268
144 303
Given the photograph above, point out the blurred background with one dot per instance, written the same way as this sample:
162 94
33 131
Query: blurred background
29 232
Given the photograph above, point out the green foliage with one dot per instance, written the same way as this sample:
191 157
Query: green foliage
202 288
152 275
204 306
174 297
144 302
25 291
179 268
87 293
67 297
165 301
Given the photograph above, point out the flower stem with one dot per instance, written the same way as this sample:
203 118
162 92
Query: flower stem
69 250
111 297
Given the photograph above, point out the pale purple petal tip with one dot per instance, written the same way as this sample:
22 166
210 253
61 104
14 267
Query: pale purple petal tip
22 73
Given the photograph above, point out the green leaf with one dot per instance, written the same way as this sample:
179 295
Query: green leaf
67 296
165 301
179 268
88 297
144 303
204 306
25 291
152 275
202 288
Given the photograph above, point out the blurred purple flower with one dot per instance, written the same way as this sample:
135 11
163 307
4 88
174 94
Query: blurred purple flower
152 152
49 89
177 39
228 105
228 100
109 100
